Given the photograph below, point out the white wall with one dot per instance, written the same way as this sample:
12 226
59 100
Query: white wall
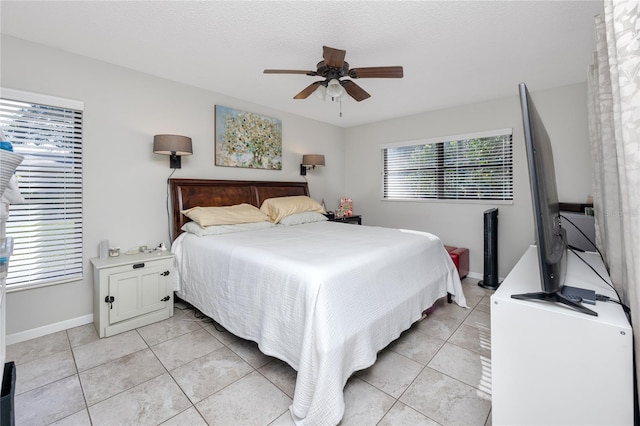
564 112
124 182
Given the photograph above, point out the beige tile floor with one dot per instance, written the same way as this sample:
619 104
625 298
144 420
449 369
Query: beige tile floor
186 371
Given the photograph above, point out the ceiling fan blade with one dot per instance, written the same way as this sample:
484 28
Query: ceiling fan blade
304 94
355 91
333 58
376 72
312 73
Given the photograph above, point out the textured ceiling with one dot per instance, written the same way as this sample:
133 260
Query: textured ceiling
453 52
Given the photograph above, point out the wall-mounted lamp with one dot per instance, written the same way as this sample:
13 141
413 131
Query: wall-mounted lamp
173 145
310 161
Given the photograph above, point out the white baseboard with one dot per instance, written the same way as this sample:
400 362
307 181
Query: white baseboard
475 275
479 276
48 329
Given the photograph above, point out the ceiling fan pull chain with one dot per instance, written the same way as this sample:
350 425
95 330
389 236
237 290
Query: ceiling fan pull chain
340 106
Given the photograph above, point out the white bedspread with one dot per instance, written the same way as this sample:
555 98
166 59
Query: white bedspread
325 297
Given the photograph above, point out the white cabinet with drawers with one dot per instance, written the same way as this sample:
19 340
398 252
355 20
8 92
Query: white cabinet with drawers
131 291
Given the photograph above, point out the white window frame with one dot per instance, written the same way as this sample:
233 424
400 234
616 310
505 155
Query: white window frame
444 139
68 252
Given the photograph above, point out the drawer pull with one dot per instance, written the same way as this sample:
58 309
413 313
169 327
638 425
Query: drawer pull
165 273
164 299
138 265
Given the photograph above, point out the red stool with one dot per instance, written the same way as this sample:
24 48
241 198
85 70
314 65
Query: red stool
460 257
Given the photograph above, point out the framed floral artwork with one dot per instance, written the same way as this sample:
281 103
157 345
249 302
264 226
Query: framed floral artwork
245 139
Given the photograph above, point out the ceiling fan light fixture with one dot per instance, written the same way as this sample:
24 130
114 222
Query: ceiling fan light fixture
332 68
321 92
334 88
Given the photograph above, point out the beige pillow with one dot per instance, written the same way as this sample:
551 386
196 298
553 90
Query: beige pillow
281 207
228 215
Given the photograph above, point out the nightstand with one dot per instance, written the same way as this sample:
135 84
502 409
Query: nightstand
354 220
131 291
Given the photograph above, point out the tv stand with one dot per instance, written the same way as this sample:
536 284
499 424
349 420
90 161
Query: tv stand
555 298
551 365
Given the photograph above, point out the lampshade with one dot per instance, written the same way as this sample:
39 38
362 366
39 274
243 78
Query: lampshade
313 160
334 88
172 145
310 161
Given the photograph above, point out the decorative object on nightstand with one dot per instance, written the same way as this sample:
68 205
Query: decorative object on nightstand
131 291
346 206
310 161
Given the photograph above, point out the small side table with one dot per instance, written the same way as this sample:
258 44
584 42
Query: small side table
354 220
131 291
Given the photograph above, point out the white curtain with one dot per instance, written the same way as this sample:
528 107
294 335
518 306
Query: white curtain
614 132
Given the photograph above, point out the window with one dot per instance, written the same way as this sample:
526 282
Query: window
47 228
465 167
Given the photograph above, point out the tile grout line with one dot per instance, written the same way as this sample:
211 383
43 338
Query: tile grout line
426 365
172 378
75 364
226 345
444 374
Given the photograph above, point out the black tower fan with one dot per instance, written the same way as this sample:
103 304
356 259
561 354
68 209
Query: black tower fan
490 280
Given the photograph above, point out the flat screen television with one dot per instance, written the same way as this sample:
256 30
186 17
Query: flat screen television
551 239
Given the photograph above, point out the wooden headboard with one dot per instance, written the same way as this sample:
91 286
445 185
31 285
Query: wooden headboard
188 193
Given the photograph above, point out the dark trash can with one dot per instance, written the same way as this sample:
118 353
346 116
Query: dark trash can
7 414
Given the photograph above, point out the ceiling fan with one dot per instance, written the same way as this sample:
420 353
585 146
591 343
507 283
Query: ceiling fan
333 67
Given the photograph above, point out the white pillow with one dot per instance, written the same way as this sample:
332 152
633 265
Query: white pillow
280 207
300 218
194 228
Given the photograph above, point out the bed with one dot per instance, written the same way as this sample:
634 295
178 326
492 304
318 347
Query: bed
324 297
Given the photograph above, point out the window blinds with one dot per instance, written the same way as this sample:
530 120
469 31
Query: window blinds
468 167
47 229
